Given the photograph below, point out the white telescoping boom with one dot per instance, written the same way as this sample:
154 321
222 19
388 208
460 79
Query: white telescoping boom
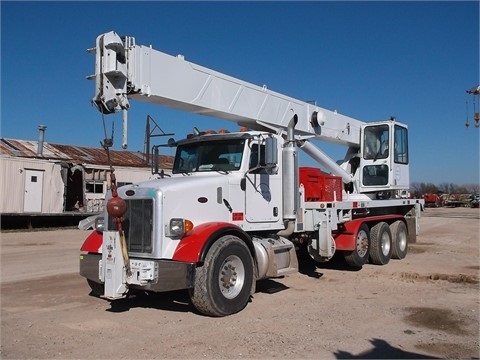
125 70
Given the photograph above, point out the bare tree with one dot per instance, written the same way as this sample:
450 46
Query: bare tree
472 188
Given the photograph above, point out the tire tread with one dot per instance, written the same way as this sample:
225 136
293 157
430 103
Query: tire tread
376 255
201 295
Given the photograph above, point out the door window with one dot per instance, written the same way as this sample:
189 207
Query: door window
401 145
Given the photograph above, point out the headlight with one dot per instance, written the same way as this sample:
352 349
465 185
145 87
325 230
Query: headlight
100 224
179 227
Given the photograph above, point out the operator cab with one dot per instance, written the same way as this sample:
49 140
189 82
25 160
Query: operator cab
384 159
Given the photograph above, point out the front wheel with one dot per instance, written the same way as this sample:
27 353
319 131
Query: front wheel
223 284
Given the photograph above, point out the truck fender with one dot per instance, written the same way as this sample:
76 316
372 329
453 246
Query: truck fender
193 247
345 235
93 243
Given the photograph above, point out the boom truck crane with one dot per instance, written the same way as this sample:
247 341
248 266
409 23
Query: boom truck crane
237 206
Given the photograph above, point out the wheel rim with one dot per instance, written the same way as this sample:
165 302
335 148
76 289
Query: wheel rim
231 276
385 244
362 243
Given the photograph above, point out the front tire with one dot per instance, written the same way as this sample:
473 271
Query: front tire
381 244
223 284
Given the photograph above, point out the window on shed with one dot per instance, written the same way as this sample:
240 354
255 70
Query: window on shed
94 187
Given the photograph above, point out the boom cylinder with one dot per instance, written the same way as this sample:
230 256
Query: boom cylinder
319 156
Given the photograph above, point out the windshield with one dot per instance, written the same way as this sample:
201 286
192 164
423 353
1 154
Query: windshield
218 155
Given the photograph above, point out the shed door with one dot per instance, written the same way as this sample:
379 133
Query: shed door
33 191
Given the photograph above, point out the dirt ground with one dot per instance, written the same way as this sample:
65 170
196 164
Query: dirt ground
424 306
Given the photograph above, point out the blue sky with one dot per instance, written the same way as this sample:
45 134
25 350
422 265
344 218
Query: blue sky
368 60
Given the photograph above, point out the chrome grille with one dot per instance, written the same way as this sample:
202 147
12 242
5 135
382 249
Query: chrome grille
138 225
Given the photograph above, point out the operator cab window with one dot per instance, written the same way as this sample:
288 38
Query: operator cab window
401 145
375 142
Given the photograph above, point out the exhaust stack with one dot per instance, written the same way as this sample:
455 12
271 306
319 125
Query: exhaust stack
290 173
41 138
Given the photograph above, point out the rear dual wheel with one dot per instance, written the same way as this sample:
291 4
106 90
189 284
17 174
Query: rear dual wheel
399 239
381 244
359 256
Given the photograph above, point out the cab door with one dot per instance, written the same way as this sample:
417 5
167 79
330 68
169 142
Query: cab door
263 189
400 166
384 161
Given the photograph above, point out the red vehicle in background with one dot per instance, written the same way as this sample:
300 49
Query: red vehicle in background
432 200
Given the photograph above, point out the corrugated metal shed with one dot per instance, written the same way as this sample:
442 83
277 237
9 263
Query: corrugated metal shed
77 154
61 179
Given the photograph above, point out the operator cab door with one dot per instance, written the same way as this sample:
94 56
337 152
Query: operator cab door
263 188
384 161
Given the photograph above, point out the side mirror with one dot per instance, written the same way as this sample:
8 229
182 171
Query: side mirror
155 159
271 152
